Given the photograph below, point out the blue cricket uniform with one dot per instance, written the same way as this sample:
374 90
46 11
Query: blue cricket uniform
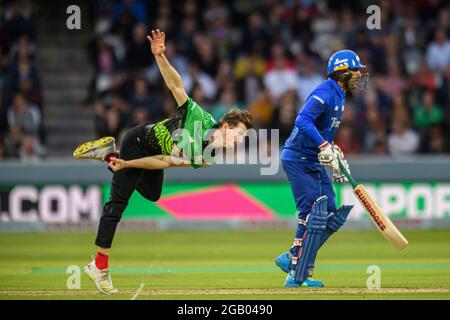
316 123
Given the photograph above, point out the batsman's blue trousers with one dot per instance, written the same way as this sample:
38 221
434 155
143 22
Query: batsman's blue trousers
309 181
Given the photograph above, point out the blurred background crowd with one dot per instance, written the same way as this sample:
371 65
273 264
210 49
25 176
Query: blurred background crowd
265 56
21 100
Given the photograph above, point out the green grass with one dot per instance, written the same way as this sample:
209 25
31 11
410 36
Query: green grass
224 265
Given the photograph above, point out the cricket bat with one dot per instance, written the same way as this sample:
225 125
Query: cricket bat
379 219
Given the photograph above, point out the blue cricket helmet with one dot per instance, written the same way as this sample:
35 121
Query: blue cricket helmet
342 60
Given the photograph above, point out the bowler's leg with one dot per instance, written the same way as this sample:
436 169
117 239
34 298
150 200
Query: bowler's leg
150 184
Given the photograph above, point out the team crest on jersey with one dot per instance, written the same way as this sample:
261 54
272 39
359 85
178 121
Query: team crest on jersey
335 123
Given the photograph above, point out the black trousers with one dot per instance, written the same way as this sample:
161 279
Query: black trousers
147 182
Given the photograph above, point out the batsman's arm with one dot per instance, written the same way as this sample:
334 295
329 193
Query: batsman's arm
171 77
148 163
312 109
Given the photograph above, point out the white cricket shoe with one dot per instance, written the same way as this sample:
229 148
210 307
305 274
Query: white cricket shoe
96 150
101 278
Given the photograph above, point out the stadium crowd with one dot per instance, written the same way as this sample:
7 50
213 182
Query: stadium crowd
21 101
268 55
265 56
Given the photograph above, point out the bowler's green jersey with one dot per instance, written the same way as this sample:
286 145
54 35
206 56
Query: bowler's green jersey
194 125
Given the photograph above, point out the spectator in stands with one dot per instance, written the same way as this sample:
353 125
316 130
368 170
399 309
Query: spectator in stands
31 150
221 33
285 113
24 115
438 52
380 148
196 75
281 75
227 102
110 124
224 76
125 14
22 50
443 92
19 21
428 113
228 46
105 59
263 111
437 144
375 129
140 96
423 77
392 84
99 122
185 36
248 71
308 78
13 141
347 139
205 54
256 33
26 80
3 154
164 19
137 56
140 115
402 140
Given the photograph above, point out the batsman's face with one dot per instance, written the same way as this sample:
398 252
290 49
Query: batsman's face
353 82
358 80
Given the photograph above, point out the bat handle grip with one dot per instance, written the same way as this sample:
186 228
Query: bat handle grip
347 174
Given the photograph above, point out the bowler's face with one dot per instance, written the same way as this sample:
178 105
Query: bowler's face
233 136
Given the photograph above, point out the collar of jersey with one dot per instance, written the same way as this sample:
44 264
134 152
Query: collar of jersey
338 89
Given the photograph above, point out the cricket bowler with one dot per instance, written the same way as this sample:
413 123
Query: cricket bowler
304 158
148 149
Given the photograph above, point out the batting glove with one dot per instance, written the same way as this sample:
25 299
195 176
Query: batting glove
327 156
338 175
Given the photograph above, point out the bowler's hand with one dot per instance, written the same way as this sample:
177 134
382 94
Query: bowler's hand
117 164
156 39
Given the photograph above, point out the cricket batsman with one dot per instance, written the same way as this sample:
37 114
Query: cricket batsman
148 149
305 156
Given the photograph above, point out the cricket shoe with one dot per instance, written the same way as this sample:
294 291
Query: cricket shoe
101 278
283 261
308 283
97 150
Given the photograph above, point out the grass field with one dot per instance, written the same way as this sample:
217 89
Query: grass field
224 265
